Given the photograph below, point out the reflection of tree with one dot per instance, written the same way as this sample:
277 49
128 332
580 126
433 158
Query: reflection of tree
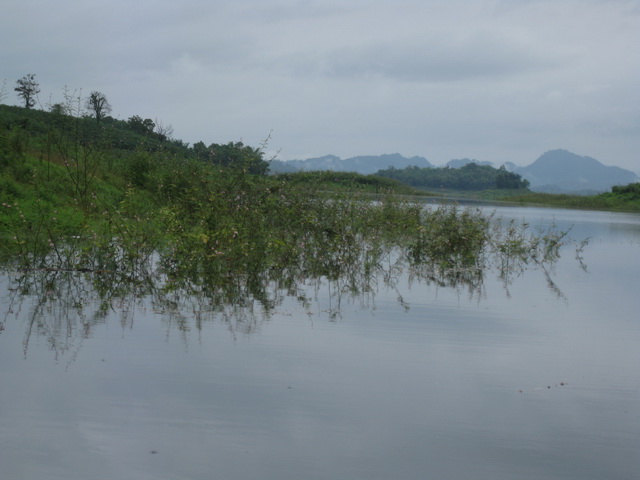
65 306
58 306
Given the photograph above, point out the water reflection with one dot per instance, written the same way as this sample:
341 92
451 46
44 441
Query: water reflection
423 369
65 307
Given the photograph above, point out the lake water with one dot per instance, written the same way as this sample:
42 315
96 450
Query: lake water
536 378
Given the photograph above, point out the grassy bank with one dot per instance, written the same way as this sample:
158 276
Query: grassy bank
620 199
615 201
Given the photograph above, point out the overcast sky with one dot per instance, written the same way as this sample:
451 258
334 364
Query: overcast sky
487 79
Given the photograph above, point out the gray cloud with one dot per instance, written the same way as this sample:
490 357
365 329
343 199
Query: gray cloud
438 60
492 79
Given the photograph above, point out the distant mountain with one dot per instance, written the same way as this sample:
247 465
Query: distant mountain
365 164
556 171
278 166
560 171
461 162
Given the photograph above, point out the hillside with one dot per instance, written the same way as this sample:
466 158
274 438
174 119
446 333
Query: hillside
159 215
77 194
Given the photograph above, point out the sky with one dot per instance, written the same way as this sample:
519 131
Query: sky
493 80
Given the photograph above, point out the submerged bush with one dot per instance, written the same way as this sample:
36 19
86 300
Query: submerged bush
451 236
85 205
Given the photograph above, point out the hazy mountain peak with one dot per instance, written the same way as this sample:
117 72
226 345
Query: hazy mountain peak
562 171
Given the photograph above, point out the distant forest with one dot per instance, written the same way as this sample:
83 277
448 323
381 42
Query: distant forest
469 177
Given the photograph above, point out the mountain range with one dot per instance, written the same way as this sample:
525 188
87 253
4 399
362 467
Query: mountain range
556 171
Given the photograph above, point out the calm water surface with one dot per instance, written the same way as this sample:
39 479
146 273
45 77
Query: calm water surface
537 378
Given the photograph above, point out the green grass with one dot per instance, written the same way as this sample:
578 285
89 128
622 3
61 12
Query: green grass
620 199
606 201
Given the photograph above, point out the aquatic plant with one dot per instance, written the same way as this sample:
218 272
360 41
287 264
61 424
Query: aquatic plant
161 217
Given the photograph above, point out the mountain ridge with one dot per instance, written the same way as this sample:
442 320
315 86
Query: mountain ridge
555 171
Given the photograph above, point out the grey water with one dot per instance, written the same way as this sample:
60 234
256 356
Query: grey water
532 377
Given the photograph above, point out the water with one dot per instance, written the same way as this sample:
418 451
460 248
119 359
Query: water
536 378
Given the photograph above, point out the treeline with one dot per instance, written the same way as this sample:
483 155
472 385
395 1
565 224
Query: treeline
87 120
469 177
134 148
51 132
627 192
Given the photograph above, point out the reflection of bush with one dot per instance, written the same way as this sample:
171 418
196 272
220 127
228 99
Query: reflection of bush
102 213
346 248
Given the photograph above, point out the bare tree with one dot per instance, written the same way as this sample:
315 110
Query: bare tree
163 131
3 92
28 89
72 101
98 105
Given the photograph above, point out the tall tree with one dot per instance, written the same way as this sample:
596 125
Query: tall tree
98 105
28 89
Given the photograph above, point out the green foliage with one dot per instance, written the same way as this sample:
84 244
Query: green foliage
515 246
452 237
138 168
510 181
628 192
13 146
138 125
233 155
105 198
469 177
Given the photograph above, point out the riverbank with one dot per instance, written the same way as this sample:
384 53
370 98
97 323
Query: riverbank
621 199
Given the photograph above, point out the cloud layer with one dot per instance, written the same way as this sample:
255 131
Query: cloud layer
494 80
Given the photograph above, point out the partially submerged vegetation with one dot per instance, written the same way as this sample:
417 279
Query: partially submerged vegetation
117 202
